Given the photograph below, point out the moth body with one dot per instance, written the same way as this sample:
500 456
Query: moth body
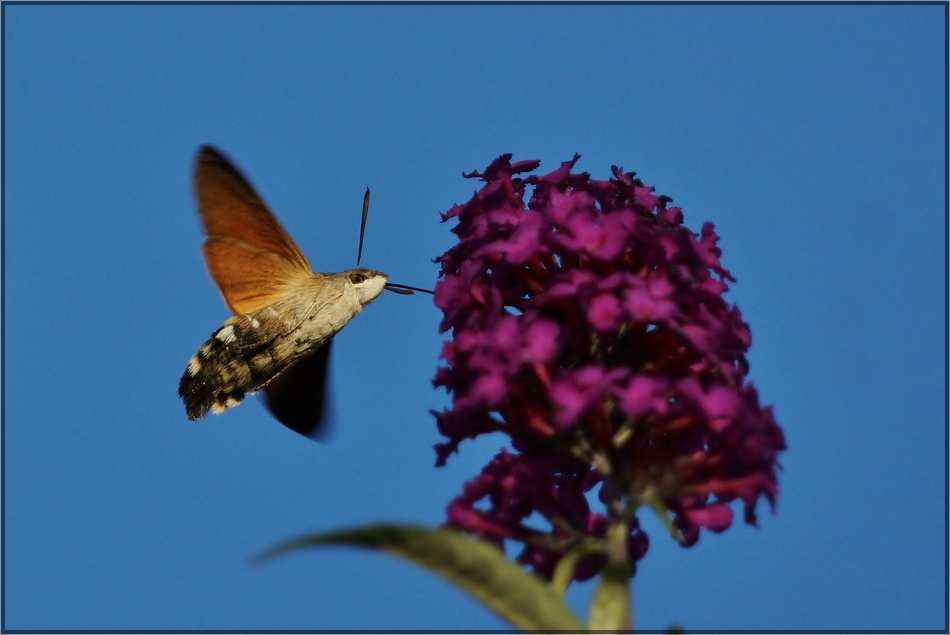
252 349
285 314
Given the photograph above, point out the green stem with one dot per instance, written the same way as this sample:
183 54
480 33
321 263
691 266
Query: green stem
617 554
611 605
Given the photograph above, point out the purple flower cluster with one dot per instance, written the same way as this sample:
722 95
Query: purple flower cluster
589 326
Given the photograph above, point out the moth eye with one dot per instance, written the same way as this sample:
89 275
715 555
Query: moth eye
358 278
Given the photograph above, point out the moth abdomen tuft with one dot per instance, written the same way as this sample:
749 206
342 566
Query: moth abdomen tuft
233 363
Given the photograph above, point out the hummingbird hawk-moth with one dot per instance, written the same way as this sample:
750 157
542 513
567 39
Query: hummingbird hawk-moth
285 313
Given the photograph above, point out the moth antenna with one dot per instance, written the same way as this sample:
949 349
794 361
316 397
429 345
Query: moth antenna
359 254
401 289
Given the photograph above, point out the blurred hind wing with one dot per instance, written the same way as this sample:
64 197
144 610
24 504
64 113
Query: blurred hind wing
297 396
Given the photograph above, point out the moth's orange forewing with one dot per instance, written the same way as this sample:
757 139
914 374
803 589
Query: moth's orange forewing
249 255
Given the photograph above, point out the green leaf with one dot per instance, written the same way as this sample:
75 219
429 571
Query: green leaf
476 566
610 607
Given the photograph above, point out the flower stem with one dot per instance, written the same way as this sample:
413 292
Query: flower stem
617 534
611 605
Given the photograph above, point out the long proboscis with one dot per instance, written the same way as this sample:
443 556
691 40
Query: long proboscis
405 289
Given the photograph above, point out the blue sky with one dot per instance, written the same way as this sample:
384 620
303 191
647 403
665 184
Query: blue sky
812 136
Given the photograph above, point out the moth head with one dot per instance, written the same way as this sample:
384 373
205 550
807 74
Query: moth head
368 283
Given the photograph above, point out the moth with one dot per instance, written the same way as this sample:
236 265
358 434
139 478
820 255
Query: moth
285 313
